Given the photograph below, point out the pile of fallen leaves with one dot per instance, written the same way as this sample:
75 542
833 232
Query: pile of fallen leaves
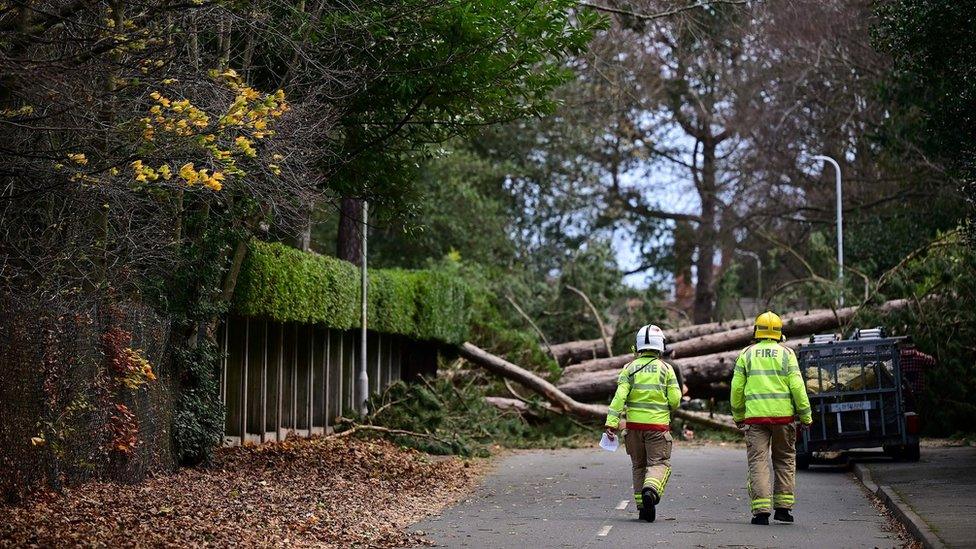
321 491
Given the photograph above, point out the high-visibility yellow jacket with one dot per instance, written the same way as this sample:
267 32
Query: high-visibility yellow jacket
767 386
648 388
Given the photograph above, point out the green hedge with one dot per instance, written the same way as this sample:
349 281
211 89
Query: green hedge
288 285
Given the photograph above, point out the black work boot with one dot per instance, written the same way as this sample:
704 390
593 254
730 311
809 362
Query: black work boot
761 518
783 515
649 499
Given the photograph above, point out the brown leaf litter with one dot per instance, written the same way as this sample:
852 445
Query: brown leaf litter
304 492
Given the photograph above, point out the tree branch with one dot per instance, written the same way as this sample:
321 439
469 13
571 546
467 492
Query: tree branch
659 15
596 314
534 326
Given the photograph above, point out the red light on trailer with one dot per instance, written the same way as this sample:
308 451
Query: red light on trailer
912 423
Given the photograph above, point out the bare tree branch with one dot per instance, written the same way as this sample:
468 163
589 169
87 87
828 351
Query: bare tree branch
660 15
596 314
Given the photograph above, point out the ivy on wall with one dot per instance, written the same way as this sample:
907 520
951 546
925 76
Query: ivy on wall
288 285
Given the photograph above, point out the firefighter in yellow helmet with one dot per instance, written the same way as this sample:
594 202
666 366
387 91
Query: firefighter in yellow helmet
648 388
768 395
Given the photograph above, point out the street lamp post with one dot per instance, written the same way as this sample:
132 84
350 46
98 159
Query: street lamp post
840 224
363 376
758 259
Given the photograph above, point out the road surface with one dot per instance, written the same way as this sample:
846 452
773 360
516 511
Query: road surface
582 498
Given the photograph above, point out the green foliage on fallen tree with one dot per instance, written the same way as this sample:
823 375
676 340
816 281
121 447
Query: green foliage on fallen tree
288 285
453 417
941 284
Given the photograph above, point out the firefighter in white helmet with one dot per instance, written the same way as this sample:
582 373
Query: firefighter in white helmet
647 389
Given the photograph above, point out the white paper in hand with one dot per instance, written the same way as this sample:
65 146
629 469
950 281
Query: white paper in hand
610 444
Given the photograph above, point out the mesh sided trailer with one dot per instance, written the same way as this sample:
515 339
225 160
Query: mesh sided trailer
856 395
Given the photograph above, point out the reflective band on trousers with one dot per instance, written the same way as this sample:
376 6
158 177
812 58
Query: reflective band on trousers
761 503
767 396
659 485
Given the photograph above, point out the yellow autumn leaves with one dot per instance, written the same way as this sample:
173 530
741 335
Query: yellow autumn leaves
193 176
248 118
178 117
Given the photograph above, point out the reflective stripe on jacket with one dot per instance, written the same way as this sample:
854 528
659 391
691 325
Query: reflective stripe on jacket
767 386
648 388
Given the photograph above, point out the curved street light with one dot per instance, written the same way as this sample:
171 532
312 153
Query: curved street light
840 224
363 375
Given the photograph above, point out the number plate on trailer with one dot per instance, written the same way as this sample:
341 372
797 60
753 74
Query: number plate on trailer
851 406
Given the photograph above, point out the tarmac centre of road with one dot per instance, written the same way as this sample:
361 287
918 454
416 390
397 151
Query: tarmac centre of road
583 498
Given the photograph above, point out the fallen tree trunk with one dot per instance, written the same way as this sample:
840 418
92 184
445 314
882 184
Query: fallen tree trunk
800 325
597 380
527 379
698 330
512 404
722 422
557 398
700 371
573 352
695 369
795 326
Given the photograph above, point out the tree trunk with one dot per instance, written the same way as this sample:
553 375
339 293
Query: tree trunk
597 379
704 263
527 379
697 372
303 240
798 324
698 330
349 240
557 398
512 404
577 360
573 352
614 363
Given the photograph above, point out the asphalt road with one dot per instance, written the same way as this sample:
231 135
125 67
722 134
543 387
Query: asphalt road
582 498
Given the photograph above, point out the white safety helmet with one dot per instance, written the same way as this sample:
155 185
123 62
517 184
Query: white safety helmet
650 338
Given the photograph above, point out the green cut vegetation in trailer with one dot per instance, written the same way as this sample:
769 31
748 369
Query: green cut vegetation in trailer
289 285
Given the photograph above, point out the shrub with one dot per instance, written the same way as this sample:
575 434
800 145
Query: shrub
288 285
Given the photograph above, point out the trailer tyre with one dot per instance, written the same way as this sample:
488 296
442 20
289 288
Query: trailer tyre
803 461
909 452
912 453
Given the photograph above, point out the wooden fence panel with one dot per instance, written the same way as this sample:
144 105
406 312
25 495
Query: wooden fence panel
232 380
278 379
336 353
254 379
320 376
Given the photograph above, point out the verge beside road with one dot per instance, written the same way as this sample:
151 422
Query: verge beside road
935 498
322 492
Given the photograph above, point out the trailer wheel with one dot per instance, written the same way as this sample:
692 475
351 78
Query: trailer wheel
803 461
909 452
912 452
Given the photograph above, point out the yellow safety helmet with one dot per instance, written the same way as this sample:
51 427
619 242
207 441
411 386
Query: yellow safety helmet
769 326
